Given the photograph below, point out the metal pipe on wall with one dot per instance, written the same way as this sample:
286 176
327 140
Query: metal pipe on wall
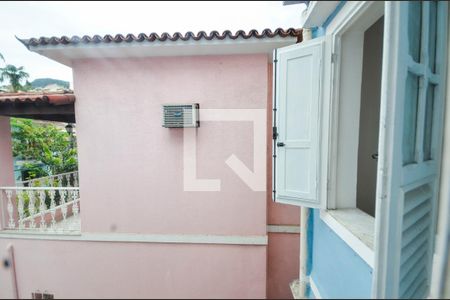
304 214
12 260
303 280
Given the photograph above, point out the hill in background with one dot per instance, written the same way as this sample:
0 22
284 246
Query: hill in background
42 83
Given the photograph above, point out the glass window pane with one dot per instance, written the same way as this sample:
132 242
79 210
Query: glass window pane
432 35
428 130
414 28
410 119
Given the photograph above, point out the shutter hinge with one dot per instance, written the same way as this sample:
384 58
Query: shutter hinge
274 133
275 60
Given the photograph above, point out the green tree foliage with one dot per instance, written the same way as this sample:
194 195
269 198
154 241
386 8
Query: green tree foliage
15 75
43 144
27 87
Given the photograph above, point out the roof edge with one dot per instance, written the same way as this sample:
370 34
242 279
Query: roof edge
22 41
152 37
53 98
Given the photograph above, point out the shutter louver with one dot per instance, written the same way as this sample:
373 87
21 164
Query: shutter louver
415 251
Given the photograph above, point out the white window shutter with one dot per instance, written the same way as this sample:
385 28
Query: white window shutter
412 104
297 96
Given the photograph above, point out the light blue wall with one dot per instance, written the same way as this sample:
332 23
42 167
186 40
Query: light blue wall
337 271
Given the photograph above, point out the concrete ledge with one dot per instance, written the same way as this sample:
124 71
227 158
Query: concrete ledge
144 238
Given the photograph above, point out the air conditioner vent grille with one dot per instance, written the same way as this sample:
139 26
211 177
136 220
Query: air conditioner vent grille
180 115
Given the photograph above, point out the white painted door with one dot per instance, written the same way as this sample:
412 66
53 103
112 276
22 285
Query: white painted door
413 84
297 78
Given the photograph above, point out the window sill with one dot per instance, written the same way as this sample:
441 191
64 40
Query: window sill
354 227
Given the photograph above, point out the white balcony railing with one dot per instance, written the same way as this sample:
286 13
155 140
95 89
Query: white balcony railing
43 205
61 180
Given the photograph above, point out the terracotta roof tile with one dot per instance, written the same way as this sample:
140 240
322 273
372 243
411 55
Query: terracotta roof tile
142 37
51 98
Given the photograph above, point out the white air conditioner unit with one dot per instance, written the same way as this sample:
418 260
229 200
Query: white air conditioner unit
181 115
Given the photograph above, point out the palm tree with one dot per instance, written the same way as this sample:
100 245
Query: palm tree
14 75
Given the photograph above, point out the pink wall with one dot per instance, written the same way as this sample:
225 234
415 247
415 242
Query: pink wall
135 270
132 167
283 264
6 161
131 172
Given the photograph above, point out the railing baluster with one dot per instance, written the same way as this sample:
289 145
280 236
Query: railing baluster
42 208
63 204
53 207
75 208
67 176
31 208
12 223
20 209
75 180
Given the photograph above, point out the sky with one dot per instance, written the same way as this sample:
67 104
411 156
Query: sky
35 19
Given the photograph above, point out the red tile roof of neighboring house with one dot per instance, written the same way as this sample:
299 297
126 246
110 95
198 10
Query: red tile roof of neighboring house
142 37
54 98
